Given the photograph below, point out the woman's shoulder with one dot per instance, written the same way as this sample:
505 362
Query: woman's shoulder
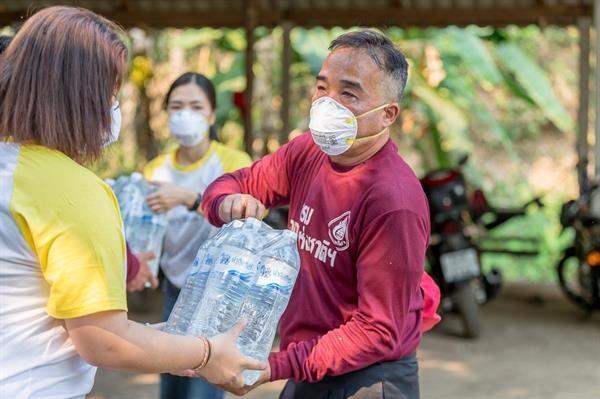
54 167
231 158
225 150
155 163
52 179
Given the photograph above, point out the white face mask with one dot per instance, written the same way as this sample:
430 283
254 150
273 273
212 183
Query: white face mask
189 127
333 127
115 124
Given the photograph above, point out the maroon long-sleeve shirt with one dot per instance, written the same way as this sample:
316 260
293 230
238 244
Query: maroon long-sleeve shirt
362 236
133 264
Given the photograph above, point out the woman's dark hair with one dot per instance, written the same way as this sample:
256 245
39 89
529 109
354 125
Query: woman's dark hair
205 85
58 77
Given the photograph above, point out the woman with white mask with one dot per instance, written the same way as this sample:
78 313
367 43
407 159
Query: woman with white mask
182 176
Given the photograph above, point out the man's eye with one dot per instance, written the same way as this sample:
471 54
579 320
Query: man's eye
348 94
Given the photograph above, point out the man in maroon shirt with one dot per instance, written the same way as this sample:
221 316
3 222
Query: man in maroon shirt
354 319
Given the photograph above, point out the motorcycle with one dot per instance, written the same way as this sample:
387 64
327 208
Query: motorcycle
579 268
454 253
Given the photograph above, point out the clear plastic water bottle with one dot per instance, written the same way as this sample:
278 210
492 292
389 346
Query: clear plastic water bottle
267 300
233 274
145 233
192 291
117 184
130 196
144 229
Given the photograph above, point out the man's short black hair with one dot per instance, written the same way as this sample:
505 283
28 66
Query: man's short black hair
4 42
383 52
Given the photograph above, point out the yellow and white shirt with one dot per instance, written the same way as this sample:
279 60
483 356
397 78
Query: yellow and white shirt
186 230
62 255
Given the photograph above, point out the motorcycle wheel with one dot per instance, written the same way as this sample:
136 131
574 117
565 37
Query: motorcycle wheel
466 305
566 282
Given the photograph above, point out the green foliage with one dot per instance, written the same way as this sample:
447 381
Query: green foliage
474 54
311 47
533 79
543 227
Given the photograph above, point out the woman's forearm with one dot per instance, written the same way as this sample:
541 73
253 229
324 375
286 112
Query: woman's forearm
109 340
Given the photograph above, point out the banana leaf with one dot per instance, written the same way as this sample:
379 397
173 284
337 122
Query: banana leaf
473 52
312 46
232 40
441 155
451 121
534 80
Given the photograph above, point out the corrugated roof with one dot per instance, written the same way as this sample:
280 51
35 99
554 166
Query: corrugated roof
231 13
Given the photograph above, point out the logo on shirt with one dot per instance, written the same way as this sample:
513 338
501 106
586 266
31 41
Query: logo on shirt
338 231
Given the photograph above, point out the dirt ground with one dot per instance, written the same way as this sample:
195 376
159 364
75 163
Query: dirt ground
534 346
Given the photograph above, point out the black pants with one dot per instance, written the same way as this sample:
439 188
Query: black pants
398 379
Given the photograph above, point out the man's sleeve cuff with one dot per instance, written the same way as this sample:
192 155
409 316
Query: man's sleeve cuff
280 366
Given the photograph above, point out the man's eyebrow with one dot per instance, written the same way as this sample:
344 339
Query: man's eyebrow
352 83
346 82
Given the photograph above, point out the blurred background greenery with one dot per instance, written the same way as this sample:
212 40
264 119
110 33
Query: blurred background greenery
506 97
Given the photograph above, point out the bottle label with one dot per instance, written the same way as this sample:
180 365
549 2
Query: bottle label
236 262
205 261
276 275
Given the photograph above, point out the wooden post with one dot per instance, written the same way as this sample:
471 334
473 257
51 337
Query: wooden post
286 61
583 25
597 129
250 16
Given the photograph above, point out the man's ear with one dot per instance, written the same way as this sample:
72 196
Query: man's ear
390 114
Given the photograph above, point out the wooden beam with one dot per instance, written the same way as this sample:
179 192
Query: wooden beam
179 19
423 17
584 25
250 18
141 19
286 61
329 17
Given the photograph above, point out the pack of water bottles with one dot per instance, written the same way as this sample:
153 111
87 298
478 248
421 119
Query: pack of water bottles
144 229
245 271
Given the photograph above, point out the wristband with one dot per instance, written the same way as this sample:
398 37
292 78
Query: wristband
196 203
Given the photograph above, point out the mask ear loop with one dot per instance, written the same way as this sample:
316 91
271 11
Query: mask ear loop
349 120
352 141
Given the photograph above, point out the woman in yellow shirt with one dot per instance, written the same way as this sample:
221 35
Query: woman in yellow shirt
62 252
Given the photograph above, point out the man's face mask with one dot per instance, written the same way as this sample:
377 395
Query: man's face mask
188 127
333 127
